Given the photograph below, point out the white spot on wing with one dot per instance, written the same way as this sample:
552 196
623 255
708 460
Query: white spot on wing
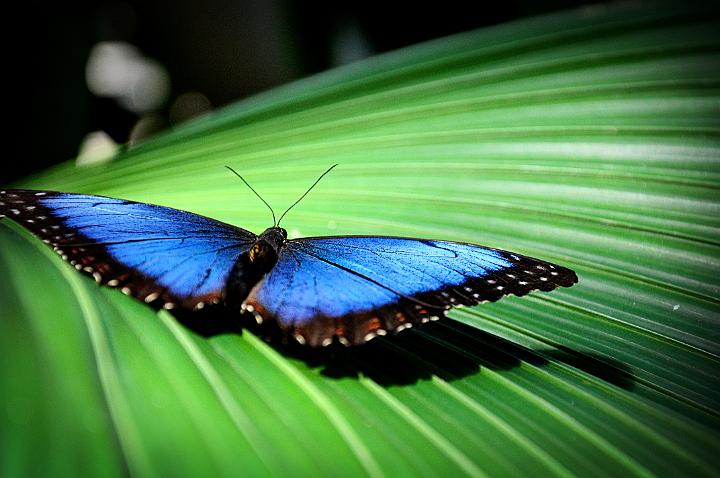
369 336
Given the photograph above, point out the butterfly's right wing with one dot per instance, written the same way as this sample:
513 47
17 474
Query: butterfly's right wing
354 287
163 256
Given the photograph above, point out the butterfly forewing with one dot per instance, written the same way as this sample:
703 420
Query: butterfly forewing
163 256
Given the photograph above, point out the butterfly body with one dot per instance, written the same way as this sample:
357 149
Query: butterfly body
317 290
252 266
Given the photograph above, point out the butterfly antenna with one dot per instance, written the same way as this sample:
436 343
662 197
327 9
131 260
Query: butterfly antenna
256 193
306 192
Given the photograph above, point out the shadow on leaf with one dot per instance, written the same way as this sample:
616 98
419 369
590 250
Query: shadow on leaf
448 349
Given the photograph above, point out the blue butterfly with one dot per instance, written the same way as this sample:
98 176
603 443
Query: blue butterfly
318 290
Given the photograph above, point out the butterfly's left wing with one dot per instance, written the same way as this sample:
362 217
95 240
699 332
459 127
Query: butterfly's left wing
164 256
355 287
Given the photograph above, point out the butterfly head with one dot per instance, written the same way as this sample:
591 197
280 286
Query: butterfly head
275 236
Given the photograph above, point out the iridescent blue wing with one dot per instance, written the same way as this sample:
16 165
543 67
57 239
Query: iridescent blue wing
355 288
157 254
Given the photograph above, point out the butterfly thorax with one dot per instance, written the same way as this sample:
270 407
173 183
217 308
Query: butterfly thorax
267 247
264 252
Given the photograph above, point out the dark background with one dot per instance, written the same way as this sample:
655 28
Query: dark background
220 51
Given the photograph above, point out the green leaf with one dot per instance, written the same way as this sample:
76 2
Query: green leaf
588 138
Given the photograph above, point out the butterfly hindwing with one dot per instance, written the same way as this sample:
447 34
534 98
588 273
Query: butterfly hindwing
355 288
157 254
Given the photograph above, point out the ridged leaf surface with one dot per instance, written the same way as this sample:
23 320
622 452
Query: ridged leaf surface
588 138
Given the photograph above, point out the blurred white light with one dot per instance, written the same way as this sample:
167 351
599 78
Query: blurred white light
108 70
96 147
119 70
